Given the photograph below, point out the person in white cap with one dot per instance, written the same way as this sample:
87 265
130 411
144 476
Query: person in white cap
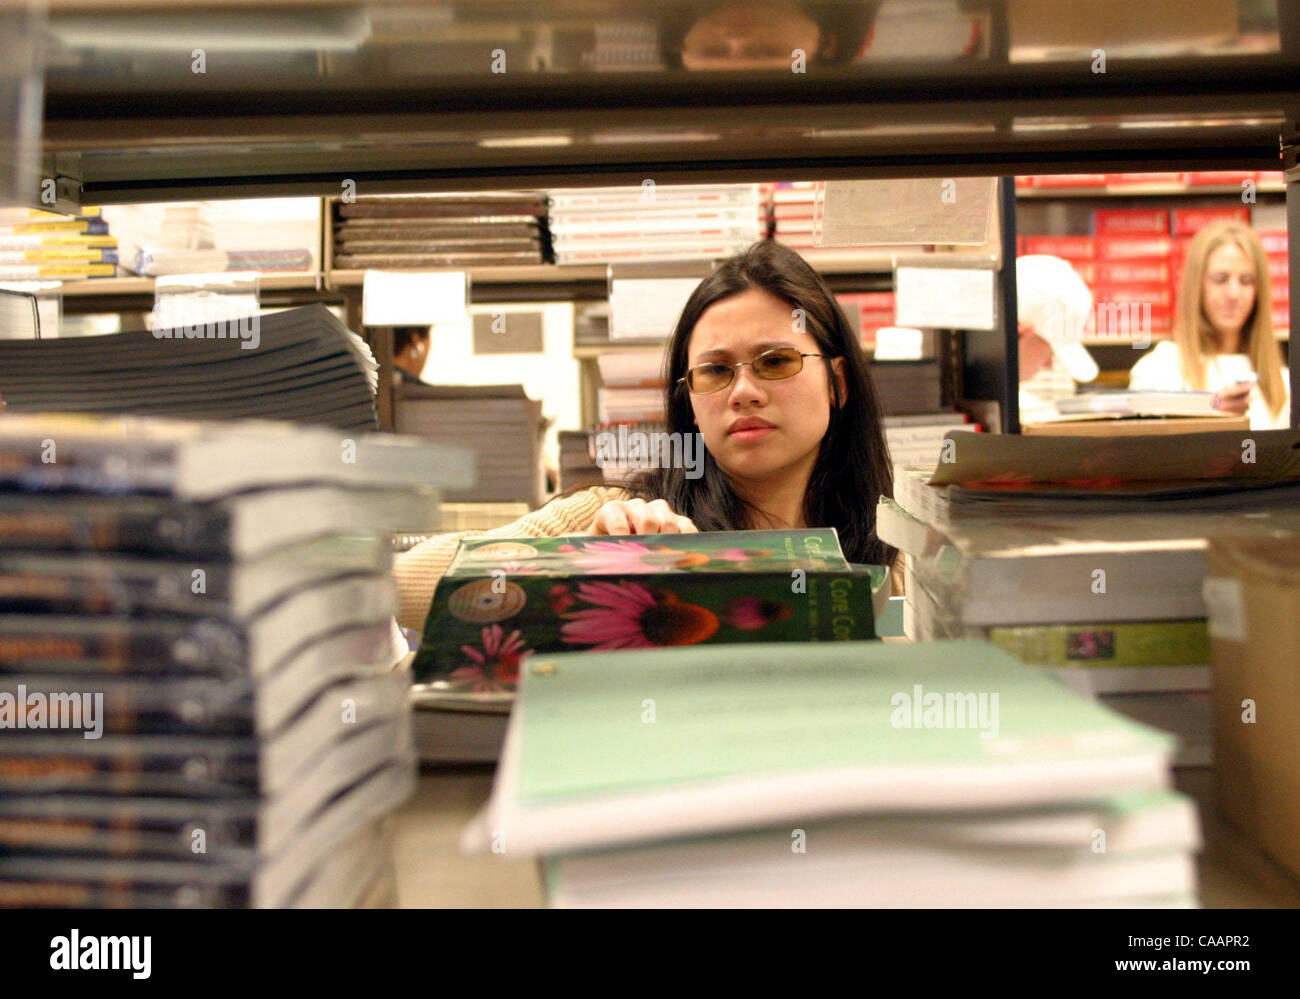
1056 312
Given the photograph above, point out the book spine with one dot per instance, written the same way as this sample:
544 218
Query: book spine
72 241
921 500
90 227
183 530
142 645
58 255
26 271
1137 643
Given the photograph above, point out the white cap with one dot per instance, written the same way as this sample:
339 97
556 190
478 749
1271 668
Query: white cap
1052 298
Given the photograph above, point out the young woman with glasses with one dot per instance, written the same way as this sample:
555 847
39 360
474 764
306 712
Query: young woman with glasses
764 367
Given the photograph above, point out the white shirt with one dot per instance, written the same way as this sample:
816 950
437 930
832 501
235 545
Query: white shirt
1159 371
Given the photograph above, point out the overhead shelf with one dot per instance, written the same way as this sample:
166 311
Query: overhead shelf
1145 190
145 285
396 98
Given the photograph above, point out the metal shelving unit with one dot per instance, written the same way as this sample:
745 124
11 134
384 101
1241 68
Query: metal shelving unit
382 98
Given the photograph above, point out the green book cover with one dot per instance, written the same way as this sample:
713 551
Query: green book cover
1136 643
502 600
646 745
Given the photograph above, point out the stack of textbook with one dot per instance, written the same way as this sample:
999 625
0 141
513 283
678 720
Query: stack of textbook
842 774
38 245
653 222
1087 556
499 422
482 229
196 660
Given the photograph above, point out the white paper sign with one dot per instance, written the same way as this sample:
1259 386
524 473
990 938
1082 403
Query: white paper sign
944 298
419 298
1225 608
641 308
899 343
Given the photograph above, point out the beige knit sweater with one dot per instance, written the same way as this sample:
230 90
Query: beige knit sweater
419 570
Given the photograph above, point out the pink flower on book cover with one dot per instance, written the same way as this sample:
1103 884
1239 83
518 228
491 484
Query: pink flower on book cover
626 557
752 613
560 598
631 616
496 667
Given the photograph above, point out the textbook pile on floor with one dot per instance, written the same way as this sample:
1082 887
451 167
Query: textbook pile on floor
196 659
836 774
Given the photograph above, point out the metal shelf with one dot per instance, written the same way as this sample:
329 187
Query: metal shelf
92 287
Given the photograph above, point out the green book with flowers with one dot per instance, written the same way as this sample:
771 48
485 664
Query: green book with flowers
503 599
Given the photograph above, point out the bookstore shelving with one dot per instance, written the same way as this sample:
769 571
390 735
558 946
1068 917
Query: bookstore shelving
392 110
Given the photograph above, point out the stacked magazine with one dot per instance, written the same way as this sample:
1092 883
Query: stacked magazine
300 364
197 659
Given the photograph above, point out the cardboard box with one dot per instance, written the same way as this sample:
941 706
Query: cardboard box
1151 270
1070 248
1130 222
1252 596
1130 247
1190 221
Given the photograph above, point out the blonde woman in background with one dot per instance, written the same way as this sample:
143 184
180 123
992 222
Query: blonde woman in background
1223 331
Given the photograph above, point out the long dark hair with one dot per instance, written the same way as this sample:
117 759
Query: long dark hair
852 470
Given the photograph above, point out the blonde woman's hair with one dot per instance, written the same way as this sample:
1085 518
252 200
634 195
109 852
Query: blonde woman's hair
1193 333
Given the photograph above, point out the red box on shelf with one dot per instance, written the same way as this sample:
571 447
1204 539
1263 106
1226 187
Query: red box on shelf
1070 248
1130 221
1190 221
1138 179
1069 180
1158 295
1139 270
1233 177
871 301
1281 317
1130 247
1278 267
1274 241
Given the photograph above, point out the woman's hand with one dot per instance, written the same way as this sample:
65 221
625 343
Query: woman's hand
1234 399
636 516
